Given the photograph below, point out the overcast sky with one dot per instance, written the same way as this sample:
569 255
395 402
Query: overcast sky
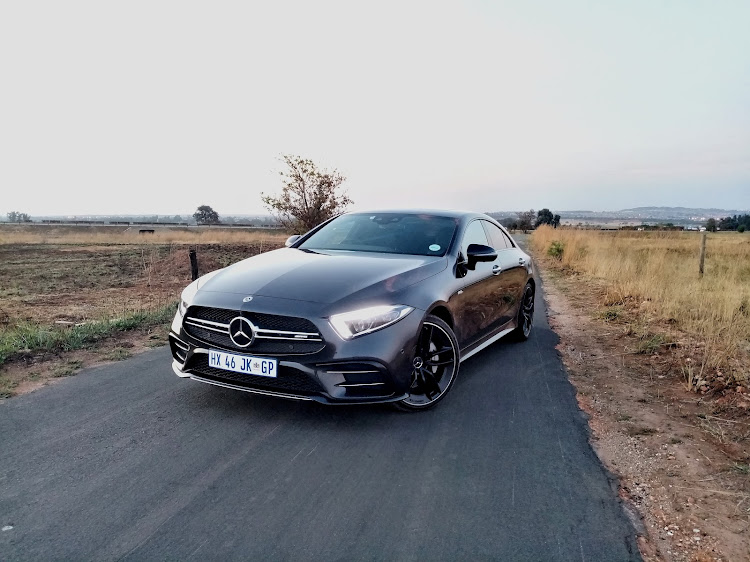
157 107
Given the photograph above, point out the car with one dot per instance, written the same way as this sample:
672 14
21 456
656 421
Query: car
379 306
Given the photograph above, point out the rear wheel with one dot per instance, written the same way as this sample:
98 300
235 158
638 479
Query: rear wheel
525 319
434 367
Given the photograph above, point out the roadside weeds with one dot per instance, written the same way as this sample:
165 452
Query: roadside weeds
30 371
27 338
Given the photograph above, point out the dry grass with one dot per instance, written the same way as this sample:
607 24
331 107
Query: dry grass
113 235
90 288
651 279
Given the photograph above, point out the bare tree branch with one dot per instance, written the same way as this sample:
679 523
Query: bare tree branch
308 196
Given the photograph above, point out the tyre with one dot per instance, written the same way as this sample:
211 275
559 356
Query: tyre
435 366
525 318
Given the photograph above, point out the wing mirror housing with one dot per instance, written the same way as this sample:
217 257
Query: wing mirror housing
292 239
479 252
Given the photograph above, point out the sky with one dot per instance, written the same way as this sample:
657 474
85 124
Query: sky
157 107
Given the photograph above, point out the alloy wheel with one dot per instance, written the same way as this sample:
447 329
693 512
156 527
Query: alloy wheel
435 365
527 311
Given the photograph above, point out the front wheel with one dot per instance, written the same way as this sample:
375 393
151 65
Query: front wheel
435 366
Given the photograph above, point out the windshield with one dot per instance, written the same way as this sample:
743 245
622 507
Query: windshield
391 233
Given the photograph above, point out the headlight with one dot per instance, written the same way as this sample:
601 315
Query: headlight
359 322
186 299
187 296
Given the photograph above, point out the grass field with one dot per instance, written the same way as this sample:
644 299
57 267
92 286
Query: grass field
650 283
68 288
113 235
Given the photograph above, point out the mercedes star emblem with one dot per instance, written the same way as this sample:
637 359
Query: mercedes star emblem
241 331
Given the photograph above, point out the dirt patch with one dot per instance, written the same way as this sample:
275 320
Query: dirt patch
683 459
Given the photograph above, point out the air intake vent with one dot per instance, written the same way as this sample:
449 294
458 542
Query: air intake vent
289 380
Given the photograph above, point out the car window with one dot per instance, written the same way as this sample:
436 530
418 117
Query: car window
509 241
393 233
474 234
498 239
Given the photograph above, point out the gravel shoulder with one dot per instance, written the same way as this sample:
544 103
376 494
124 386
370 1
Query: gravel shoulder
682 458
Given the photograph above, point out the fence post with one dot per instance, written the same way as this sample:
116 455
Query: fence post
703 252
194 264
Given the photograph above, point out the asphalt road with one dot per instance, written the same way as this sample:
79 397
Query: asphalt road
127 461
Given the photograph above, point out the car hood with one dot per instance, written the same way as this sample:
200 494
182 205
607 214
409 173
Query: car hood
323 276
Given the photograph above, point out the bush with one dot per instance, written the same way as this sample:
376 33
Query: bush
556 250
741 228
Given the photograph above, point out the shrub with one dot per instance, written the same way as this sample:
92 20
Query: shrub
741 228
611 314
556 250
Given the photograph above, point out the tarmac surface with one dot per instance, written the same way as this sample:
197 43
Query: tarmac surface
127 461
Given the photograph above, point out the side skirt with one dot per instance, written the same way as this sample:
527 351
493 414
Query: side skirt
488 343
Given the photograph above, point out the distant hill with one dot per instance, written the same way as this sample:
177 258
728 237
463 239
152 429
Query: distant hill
685 216
682 211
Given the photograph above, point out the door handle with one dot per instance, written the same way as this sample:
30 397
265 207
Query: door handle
521 261
496 270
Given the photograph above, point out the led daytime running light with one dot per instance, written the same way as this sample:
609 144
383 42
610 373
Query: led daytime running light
366 320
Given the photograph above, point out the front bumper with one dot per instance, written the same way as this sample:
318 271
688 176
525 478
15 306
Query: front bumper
372 368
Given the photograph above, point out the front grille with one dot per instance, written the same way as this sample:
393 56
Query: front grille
222 315
282 323
259 346
289 380
275 334
265 321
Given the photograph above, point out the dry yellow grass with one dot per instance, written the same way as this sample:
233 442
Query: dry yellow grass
655 275
62 234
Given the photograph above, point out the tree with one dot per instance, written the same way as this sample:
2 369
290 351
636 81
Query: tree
206 215
556 221
711 225
544 216
15 216
308 197
733 223
526 220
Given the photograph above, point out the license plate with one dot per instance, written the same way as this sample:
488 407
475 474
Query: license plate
242 363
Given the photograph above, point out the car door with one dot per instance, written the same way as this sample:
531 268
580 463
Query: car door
475 305
513 272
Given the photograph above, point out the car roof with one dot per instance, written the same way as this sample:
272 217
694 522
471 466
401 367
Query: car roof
452 213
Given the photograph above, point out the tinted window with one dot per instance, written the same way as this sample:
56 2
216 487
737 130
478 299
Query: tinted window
499 240
474 234
508 240
392 233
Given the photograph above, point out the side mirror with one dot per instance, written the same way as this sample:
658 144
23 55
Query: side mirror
292 239
479 252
